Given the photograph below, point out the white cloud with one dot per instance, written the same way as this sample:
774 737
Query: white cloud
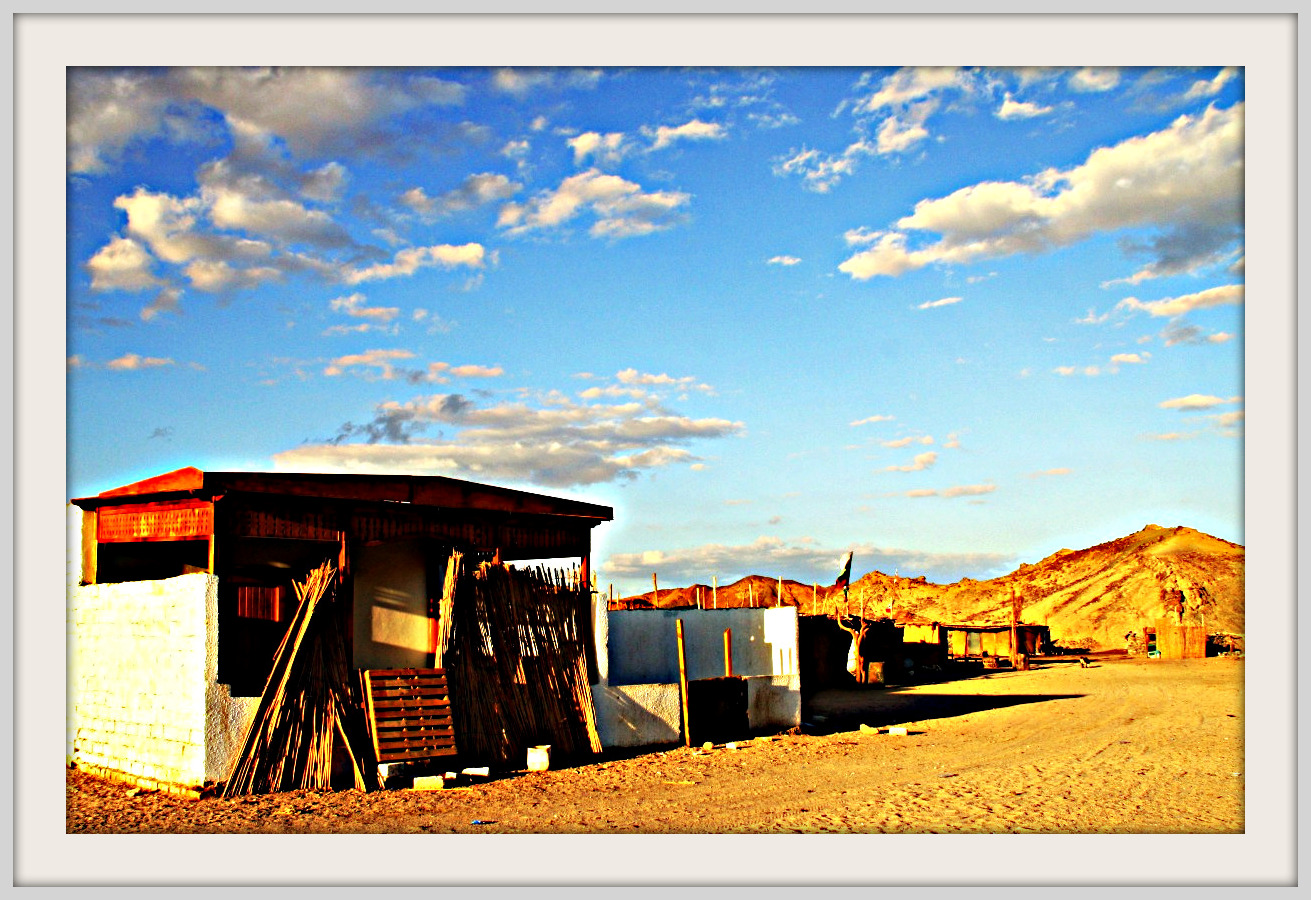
819 171
621 208
1094 79
965 490
695 130
474 191
1226 294
870 420
921 462
605 148
133 361
557 443
1197 401
353 305
410 260
1018 109
1050 472
1185 181
784 260
909 84
381 360
945 301
122 264
1211 87
1130 358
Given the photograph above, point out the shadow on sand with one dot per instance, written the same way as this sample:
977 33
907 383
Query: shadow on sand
838 709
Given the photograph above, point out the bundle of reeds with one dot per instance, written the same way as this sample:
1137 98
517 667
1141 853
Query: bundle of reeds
305 705
518 663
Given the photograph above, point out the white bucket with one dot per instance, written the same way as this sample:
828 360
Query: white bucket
539 758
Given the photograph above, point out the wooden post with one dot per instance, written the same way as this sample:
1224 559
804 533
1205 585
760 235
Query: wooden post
90 547
814 596
751 594
728 652
714 591
655 591
778 601
1015 619
682 681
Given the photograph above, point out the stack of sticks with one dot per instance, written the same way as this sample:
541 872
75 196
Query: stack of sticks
518 663
306 704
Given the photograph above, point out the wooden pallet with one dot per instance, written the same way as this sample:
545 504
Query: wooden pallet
409 714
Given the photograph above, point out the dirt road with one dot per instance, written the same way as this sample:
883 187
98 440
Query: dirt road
1126 746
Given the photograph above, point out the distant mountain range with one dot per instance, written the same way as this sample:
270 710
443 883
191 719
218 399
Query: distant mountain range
1088 598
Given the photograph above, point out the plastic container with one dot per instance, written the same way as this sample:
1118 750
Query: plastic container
539 758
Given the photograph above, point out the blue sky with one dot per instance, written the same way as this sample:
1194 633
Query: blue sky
951 319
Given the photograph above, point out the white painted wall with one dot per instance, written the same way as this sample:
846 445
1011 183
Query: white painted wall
143 700
391 607
637 699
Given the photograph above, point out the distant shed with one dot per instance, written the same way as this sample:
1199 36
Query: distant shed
185 588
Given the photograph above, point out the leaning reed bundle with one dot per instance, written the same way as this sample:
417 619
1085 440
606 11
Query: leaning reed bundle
305 704
519 663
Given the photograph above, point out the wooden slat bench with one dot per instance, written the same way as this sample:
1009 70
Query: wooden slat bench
409 714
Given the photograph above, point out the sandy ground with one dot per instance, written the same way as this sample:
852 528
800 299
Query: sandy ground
1125 746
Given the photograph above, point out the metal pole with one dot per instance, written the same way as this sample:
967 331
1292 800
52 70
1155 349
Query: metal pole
728 652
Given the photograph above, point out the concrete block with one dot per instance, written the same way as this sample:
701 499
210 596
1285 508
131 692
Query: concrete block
428 783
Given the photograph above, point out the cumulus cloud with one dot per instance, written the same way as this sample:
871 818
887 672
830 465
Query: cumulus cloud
784 260
1130 358
604 148
410 260
1185 181
820 171
871 420
907 441
1094 79
375 363
694 130
473 192
1197 401
559 442
1209 87
1227 294
353 305
907 85
921 462
124 265
620 207
1019 109
315 110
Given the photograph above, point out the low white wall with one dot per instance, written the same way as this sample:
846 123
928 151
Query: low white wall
637 700
644 643
143 700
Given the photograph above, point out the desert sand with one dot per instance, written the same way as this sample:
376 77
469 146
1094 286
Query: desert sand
1128 745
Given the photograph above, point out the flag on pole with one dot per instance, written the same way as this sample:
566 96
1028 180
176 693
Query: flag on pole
844 577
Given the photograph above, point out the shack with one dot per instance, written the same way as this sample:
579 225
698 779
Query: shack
182 589
965 641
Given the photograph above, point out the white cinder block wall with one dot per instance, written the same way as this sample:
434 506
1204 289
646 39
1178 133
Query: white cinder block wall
143 699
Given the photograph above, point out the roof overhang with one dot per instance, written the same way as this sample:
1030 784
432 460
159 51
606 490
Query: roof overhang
431 491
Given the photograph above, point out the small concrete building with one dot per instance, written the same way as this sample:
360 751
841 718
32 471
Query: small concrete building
181 587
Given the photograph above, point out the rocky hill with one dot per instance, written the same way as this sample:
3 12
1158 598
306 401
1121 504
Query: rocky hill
1089 598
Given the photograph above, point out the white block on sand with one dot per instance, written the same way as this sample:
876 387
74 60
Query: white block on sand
897 729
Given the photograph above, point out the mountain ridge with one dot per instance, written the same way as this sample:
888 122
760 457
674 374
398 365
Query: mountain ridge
1091 597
